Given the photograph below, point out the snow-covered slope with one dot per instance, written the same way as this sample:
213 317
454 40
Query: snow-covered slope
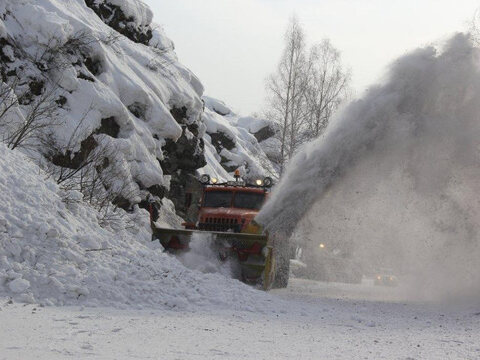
119 113
54 252
120 91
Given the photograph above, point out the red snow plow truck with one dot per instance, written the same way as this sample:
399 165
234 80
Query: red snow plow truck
226 213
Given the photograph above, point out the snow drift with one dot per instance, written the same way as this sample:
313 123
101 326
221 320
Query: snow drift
54 252
398 174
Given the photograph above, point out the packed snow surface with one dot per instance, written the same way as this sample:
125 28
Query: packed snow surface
56 253
323 321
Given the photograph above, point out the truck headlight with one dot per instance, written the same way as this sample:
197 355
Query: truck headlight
268 182
205 179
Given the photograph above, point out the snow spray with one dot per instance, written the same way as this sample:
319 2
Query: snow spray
398 174
203 256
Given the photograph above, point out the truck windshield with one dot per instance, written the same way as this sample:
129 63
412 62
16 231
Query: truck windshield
248 200
217 199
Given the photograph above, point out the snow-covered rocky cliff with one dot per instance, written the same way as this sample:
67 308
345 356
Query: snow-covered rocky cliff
96 114
119 106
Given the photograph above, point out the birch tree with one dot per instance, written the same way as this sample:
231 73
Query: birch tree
286 89
327 87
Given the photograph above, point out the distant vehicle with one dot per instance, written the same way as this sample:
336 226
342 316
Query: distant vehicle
385 278
328 261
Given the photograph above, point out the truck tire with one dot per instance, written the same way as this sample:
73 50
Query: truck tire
282 271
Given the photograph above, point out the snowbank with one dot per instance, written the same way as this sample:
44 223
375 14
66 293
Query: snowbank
54 252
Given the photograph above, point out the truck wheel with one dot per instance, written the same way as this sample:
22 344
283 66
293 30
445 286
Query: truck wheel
282 272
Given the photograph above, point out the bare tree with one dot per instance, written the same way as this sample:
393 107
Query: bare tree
31 120
286 89
304 92
327 87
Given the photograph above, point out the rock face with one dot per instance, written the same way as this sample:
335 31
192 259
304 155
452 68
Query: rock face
123 113
234 141
182 159
126 24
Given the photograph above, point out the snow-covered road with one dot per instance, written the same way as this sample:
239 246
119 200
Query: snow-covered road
324 321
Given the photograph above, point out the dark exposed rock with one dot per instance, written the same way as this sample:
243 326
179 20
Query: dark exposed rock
179 114
157 190
221 141
182 159
226 164
36 86
71 160
83 76
152 203
185 193
264 133
3 54
61 101
138 109
113 16
151 206
75 160
184 154
122 203
109 126
93 65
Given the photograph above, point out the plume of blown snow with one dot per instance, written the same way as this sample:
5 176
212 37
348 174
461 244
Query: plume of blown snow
399 175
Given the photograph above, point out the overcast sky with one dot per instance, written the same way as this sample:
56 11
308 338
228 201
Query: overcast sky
232 45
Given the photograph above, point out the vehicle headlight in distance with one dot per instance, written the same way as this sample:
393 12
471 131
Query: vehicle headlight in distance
259 182
321 246
214 180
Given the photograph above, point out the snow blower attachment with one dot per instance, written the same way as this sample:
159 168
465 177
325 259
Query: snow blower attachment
226 212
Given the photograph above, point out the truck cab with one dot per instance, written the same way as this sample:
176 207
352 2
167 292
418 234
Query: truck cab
230 206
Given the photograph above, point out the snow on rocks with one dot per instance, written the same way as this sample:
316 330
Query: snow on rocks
125 91
57 254
135 9
111 84
232 143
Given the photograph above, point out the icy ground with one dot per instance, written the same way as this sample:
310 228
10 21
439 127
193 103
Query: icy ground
324 321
